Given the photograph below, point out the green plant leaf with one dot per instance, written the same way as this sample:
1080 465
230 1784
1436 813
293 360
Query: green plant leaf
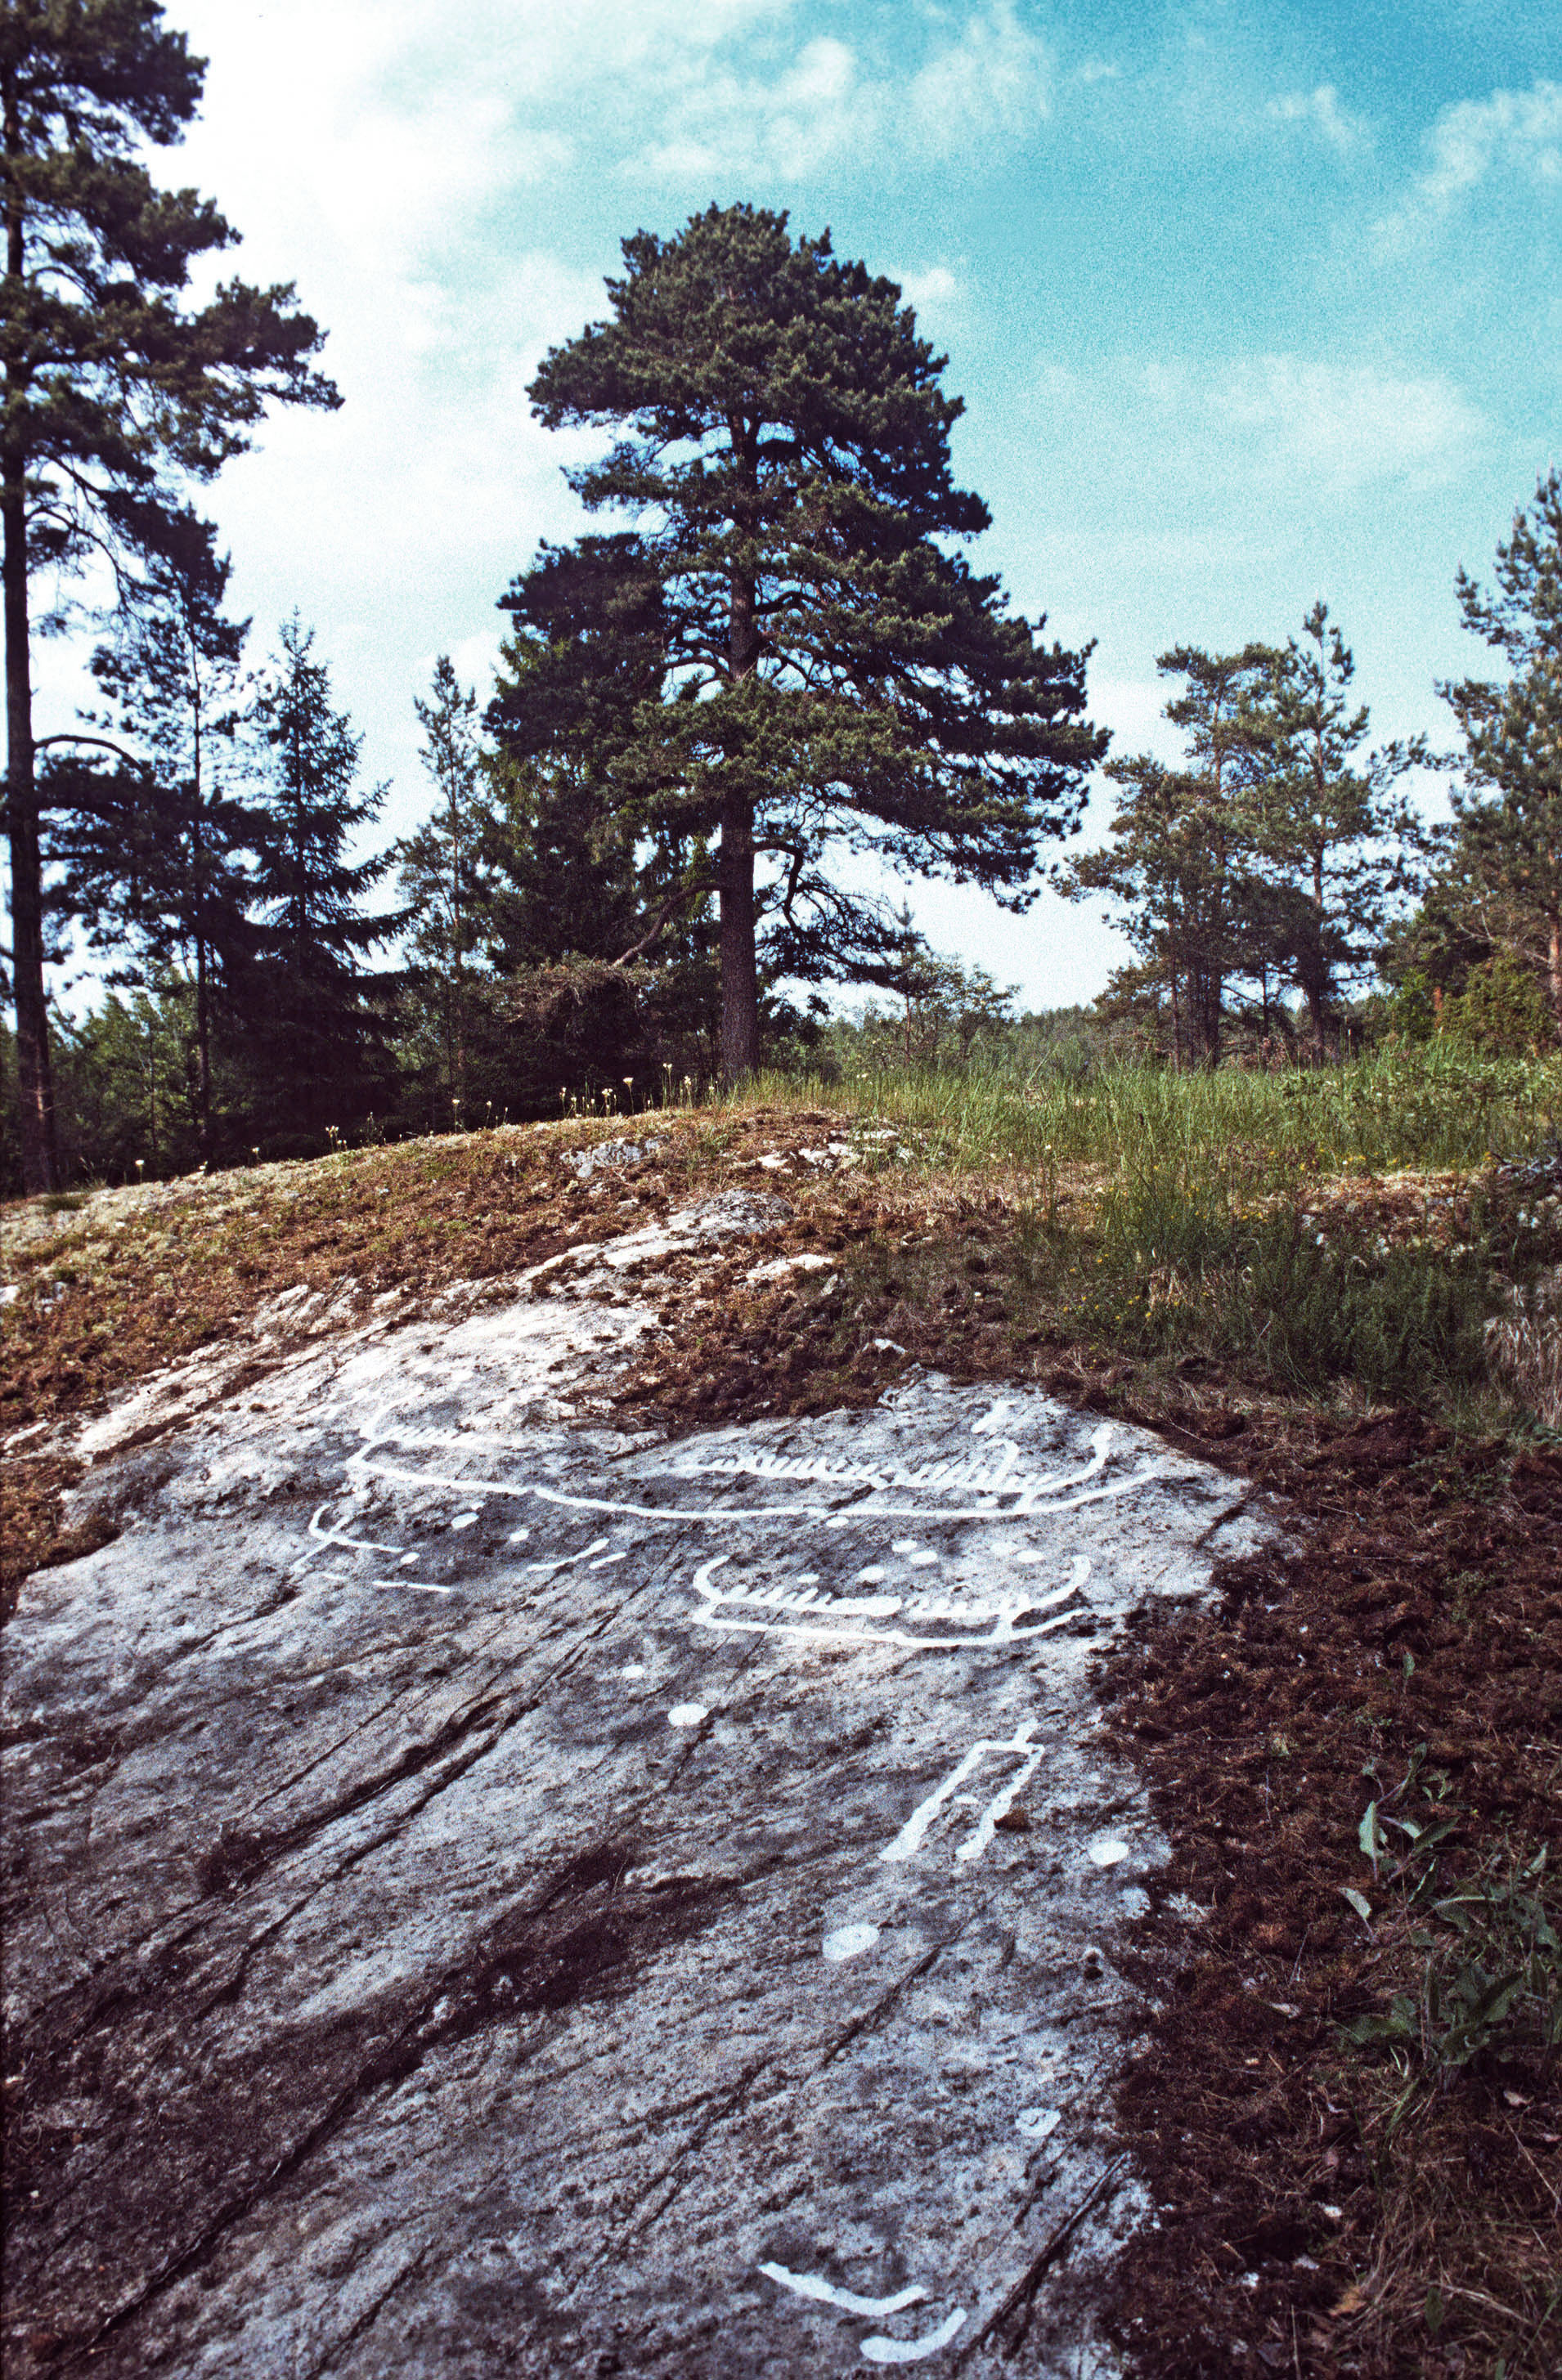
1359 1902
1369 1833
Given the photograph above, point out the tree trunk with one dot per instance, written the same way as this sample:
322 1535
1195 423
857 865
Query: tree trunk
35 1090
739 970
202 1055
735 866
36 1095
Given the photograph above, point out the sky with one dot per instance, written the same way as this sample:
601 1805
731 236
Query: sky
1249 303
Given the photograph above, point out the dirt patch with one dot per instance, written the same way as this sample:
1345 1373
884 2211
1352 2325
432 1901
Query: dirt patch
1323 2199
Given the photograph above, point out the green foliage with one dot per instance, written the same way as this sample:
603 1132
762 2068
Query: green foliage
1490 1987
1273 857
113 378
1338 843
948 1012
1505 872
447 882
156 855
1502 1012
831 677
312 1026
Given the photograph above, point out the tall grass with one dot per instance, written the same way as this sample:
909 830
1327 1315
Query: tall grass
1429 1107
1250 1217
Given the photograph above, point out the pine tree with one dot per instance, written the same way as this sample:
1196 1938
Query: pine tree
835 680
1340 842
1507 856
313 1020
1182 855
157 856
111 379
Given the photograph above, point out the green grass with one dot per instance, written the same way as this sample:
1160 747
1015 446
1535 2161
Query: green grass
1429 1107
1307 1229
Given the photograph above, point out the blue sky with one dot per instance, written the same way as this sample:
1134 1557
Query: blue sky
1249 305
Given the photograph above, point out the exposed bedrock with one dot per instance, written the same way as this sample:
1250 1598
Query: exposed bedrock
483 1895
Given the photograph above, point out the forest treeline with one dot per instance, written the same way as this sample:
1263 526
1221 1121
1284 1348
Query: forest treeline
769 680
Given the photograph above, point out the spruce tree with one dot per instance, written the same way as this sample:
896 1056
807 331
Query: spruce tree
112 379
313 1020
588 648
836 679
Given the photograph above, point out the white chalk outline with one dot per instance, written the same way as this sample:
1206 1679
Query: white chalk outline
913 2350
909 1841
820 1628
362 1546
809 2284
1023 1489
339 1538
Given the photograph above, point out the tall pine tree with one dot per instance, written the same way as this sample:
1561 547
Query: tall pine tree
1341 839
111 377
836 679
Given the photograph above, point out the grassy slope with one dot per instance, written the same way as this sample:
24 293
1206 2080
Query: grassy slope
1292 1276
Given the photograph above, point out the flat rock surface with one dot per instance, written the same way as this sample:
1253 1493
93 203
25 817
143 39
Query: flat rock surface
485 1895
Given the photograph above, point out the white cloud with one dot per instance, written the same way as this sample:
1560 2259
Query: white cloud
1513 133
989 84
1347 426
1320 111
1518 131
1282 424
996 79
936 286
791 123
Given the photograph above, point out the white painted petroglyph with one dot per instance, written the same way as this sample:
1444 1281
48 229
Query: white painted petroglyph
1004 1492
909 1841
1038 2123
913 2350
339 1538
809 2284
848 1942
846 1618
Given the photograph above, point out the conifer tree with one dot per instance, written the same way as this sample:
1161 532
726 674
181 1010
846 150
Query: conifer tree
157 856
444 878
1339 838
313 1020
110 378
1182 856
835 678
1507 854
588 648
